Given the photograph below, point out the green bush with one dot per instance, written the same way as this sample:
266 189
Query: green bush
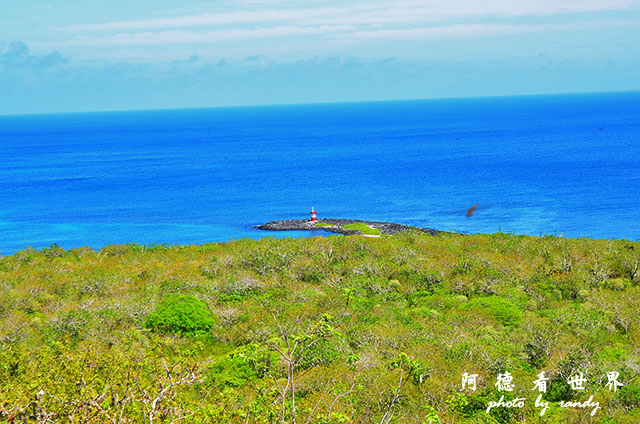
321 353
630 396
71 323
324 224
233 370
363 228
504 311
183 314
475 405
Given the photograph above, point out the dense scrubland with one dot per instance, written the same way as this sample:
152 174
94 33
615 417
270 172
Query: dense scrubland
334 329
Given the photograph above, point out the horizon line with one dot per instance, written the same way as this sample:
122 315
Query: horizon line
251 105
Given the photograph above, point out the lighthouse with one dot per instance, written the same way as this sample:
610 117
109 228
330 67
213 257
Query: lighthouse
313 214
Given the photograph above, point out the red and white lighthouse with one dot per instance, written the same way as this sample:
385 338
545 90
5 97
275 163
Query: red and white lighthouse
313 214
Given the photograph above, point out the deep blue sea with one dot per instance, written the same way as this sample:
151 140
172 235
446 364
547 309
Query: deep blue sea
563 164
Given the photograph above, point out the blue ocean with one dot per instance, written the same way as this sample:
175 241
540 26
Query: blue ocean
560 164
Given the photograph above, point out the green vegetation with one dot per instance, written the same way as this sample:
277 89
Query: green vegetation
183 314
319 330
502 309
363 228
323 224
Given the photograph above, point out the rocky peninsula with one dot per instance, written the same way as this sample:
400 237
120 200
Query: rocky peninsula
342 226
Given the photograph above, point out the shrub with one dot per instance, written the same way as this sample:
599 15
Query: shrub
72 323
363 228
504 311
183 314
321 353
53 251
630 397
475 405
236 368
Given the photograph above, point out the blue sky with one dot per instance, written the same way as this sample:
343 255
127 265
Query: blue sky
139 54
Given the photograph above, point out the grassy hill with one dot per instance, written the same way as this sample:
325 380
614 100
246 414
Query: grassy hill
332 329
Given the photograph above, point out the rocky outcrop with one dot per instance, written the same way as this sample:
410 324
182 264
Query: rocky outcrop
335 226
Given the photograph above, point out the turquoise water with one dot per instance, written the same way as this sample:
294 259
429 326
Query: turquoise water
541 164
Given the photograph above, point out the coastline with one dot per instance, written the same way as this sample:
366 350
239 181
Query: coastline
335 225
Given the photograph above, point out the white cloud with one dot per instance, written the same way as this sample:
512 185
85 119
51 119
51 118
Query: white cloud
335 33
206 19
368 13
354 27
180 36
411 13
477 30
449 31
